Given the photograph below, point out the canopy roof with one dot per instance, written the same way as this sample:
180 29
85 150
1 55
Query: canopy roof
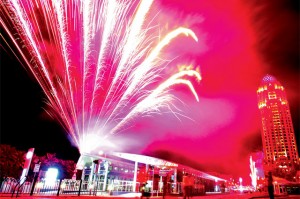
87 159
163 163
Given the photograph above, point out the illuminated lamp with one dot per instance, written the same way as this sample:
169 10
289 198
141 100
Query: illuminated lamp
26 166
51 176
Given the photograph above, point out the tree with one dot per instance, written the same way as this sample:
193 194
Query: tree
11 161
66 167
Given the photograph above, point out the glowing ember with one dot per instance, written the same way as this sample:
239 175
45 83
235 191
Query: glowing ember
253 173
98 62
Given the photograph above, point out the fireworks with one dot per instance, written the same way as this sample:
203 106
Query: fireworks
98 62
253 173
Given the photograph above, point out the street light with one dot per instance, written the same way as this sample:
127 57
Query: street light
241 187
26 166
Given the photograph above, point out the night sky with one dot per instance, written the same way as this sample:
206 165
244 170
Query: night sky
239 43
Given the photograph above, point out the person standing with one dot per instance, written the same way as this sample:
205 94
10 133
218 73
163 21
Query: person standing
185 186
165 187
270 185
191 183
145 191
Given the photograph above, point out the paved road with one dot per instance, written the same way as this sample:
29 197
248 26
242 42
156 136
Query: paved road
208 196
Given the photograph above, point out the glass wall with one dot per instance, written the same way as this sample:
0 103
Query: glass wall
117 176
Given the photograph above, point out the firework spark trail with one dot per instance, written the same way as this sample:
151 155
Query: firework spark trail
159 97
95 61
59 8
135 37
86 46
113 9
47 85
143 73
253 174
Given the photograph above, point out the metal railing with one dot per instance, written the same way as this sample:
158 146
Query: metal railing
62 187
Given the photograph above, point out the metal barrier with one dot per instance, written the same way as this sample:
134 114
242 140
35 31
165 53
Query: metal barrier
8 185
58 187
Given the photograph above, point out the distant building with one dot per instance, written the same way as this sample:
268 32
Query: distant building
277 132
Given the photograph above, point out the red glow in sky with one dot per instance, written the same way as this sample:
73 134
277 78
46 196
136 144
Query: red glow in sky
224 127
239 43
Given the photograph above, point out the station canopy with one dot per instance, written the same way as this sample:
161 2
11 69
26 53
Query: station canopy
163 163
145 159
160 163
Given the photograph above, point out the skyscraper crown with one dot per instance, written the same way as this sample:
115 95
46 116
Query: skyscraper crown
268 78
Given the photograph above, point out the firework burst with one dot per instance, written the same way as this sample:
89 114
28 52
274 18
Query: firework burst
98 62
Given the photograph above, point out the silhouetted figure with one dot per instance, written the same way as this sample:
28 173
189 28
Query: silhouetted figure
270 185
191 183
145 191
165 187
184 185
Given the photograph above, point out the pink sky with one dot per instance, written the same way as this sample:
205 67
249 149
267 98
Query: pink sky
239 43
224 127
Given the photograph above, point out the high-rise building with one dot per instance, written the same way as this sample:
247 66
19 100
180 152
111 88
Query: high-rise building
277 132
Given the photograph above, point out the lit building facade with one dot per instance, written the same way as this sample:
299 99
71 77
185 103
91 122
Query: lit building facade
124 172
277 132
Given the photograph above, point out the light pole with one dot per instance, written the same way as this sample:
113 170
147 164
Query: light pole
35 176
241 187
26 166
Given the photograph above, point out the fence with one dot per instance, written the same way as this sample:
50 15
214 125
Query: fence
13 187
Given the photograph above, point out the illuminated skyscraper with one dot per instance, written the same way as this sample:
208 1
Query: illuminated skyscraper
278 138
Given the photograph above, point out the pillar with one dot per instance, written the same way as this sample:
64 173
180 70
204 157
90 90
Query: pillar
134 176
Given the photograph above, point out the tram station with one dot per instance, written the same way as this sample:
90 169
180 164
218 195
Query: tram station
118 173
